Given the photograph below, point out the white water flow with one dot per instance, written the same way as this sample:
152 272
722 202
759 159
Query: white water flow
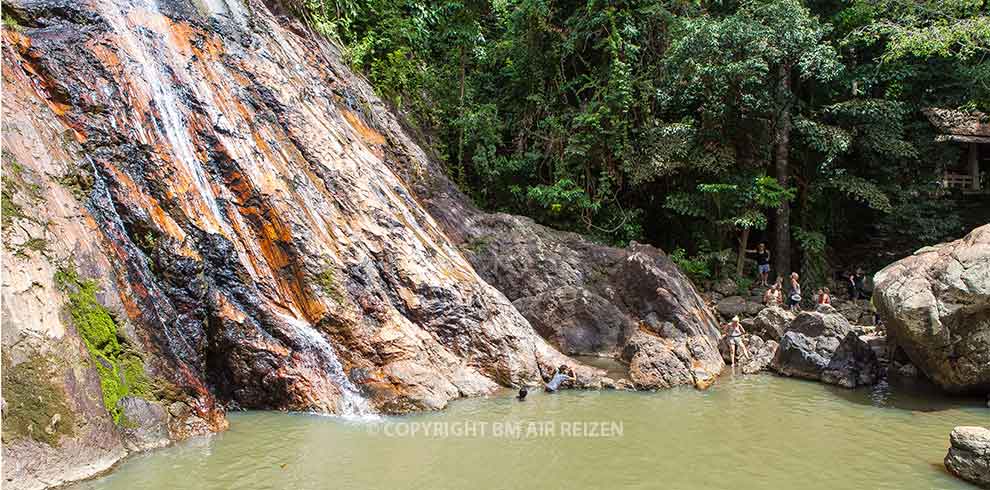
171 124
352 403
231 9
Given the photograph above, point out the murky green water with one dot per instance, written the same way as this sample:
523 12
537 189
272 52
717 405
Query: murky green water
752 432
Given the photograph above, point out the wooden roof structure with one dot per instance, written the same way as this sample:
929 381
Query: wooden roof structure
959 126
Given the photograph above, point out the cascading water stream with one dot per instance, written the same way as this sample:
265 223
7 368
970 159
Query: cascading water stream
352 403
144 58
170 123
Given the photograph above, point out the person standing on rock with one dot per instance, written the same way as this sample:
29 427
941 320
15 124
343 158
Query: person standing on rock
772 296
762 263
768 297
859 280
733 337
856 285
794 300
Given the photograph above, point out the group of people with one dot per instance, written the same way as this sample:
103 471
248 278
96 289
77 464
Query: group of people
734 331
856 284
774 295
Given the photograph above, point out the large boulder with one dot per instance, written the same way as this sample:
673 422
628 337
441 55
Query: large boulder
969 454
821 345
936 307
771 323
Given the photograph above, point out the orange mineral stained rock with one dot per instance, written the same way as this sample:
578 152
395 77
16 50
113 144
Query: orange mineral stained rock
265 234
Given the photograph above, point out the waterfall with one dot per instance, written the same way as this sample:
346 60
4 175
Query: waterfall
352 403
171 124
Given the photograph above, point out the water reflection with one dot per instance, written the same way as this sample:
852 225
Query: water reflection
907 393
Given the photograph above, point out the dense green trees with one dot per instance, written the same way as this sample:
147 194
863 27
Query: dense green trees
630 119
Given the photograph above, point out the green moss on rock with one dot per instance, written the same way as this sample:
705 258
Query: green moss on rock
327 280
37 408
121 370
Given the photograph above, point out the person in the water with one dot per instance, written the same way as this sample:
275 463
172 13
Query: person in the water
522 394
557 379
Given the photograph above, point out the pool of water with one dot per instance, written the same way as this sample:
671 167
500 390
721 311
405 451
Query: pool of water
746 432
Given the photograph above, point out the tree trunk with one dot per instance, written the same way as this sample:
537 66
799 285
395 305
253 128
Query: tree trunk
743 243
781 159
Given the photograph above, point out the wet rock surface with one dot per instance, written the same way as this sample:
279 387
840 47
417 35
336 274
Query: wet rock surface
145 424
250 217
969 454
936 307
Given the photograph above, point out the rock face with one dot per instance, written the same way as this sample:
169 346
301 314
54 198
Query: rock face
593 299
936 307
204 207
576 320
969 454
821 345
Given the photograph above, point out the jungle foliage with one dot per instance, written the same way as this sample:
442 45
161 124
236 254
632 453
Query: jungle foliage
696 125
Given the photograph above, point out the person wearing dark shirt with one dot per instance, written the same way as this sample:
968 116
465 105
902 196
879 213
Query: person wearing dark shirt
856 285
762 263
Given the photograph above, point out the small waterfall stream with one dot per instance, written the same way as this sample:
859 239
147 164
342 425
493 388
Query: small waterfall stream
141 60
152 62
352 403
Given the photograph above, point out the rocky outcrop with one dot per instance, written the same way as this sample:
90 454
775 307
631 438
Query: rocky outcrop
936 307
821 345
590 298
969 454
771 323
203 207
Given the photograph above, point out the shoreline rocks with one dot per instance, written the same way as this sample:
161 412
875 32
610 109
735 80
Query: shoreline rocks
969 454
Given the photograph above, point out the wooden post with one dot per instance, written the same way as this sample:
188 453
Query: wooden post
974 167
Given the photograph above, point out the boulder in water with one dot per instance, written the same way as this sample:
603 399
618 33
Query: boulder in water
969 454
936 307
821 345
588 298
